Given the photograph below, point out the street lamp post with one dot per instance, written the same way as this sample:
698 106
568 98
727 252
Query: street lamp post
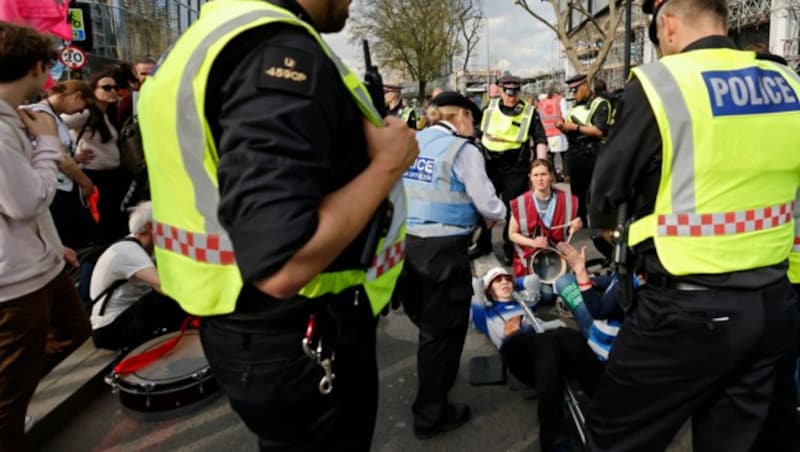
627 64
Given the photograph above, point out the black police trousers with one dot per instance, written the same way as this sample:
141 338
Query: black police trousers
509 182
581 167
274 386
712 355
436 288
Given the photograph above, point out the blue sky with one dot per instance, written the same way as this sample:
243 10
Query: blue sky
516 41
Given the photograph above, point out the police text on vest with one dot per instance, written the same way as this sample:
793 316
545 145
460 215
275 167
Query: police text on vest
421 169
749 91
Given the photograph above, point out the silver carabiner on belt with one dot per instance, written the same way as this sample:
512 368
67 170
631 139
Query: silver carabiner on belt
316 354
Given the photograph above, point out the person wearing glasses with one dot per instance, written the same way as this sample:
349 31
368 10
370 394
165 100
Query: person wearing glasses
586 126
448 193
510 127
705 161
97 151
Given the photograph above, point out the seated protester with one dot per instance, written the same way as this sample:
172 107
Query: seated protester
541 218
590 298
136 310
540 360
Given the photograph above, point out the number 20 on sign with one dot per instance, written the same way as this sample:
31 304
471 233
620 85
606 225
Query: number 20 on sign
73 57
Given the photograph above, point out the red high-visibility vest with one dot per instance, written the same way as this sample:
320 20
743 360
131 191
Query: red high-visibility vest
551 114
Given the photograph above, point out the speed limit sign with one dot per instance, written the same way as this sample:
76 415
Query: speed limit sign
72 57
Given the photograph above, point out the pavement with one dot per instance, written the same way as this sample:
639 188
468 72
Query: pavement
503 419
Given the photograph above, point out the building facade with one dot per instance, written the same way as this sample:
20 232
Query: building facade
125 30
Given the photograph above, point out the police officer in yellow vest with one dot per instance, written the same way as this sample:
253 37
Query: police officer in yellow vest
266 165
394 103
702 156
586 126
510 127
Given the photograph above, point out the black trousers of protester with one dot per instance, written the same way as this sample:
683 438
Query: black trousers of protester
435 289
543 361
74 223
509 182
142 321
711 355
274 386
581 166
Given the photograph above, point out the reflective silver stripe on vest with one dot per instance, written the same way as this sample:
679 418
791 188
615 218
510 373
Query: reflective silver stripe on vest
191 134
724 223
523 228
525 124
206 248
441 195
567 207
494 105
681 134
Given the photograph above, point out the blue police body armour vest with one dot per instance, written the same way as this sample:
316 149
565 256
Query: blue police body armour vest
435 195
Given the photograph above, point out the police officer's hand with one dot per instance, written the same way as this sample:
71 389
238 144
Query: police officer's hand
393 147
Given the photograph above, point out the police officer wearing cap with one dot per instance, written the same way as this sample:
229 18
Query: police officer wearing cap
267 163
448 193
709 188
395 106
586 126
510 127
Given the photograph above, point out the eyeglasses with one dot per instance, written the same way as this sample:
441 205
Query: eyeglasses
108 88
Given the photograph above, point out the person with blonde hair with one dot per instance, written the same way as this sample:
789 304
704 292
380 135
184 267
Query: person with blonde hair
71 215
448 194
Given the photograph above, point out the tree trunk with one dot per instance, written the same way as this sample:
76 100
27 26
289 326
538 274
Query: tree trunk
421 86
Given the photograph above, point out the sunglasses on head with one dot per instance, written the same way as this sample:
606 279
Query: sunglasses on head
108 88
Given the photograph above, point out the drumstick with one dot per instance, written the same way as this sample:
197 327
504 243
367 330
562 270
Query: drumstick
570 237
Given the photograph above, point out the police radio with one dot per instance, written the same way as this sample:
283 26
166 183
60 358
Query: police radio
379 224
619 238
374 82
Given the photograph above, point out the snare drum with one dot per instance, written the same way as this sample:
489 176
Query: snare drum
548 264
178 378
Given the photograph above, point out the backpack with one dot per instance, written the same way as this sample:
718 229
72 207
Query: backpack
87 265
131 151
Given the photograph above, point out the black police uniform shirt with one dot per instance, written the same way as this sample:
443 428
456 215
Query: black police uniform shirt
599 119
284 144
510 160
630 162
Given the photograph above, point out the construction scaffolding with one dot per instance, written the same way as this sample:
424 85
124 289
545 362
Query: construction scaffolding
791 43
748 13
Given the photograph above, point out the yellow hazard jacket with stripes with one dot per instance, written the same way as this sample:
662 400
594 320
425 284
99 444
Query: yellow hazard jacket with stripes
502 132
582 114
196 260
728 181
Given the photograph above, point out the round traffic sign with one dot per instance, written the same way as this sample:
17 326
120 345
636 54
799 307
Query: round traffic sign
72 57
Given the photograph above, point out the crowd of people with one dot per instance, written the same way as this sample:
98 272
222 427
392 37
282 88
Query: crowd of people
288 215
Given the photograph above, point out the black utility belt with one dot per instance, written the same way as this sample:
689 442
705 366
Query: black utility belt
666 282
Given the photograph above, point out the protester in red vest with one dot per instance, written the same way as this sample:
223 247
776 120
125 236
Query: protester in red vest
541 217
552 109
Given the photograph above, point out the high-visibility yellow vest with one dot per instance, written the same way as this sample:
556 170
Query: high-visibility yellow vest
582 114
728 181
502 132
196 260
794 256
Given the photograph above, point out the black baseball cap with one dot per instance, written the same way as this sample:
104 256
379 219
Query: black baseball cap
457 100
652 7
